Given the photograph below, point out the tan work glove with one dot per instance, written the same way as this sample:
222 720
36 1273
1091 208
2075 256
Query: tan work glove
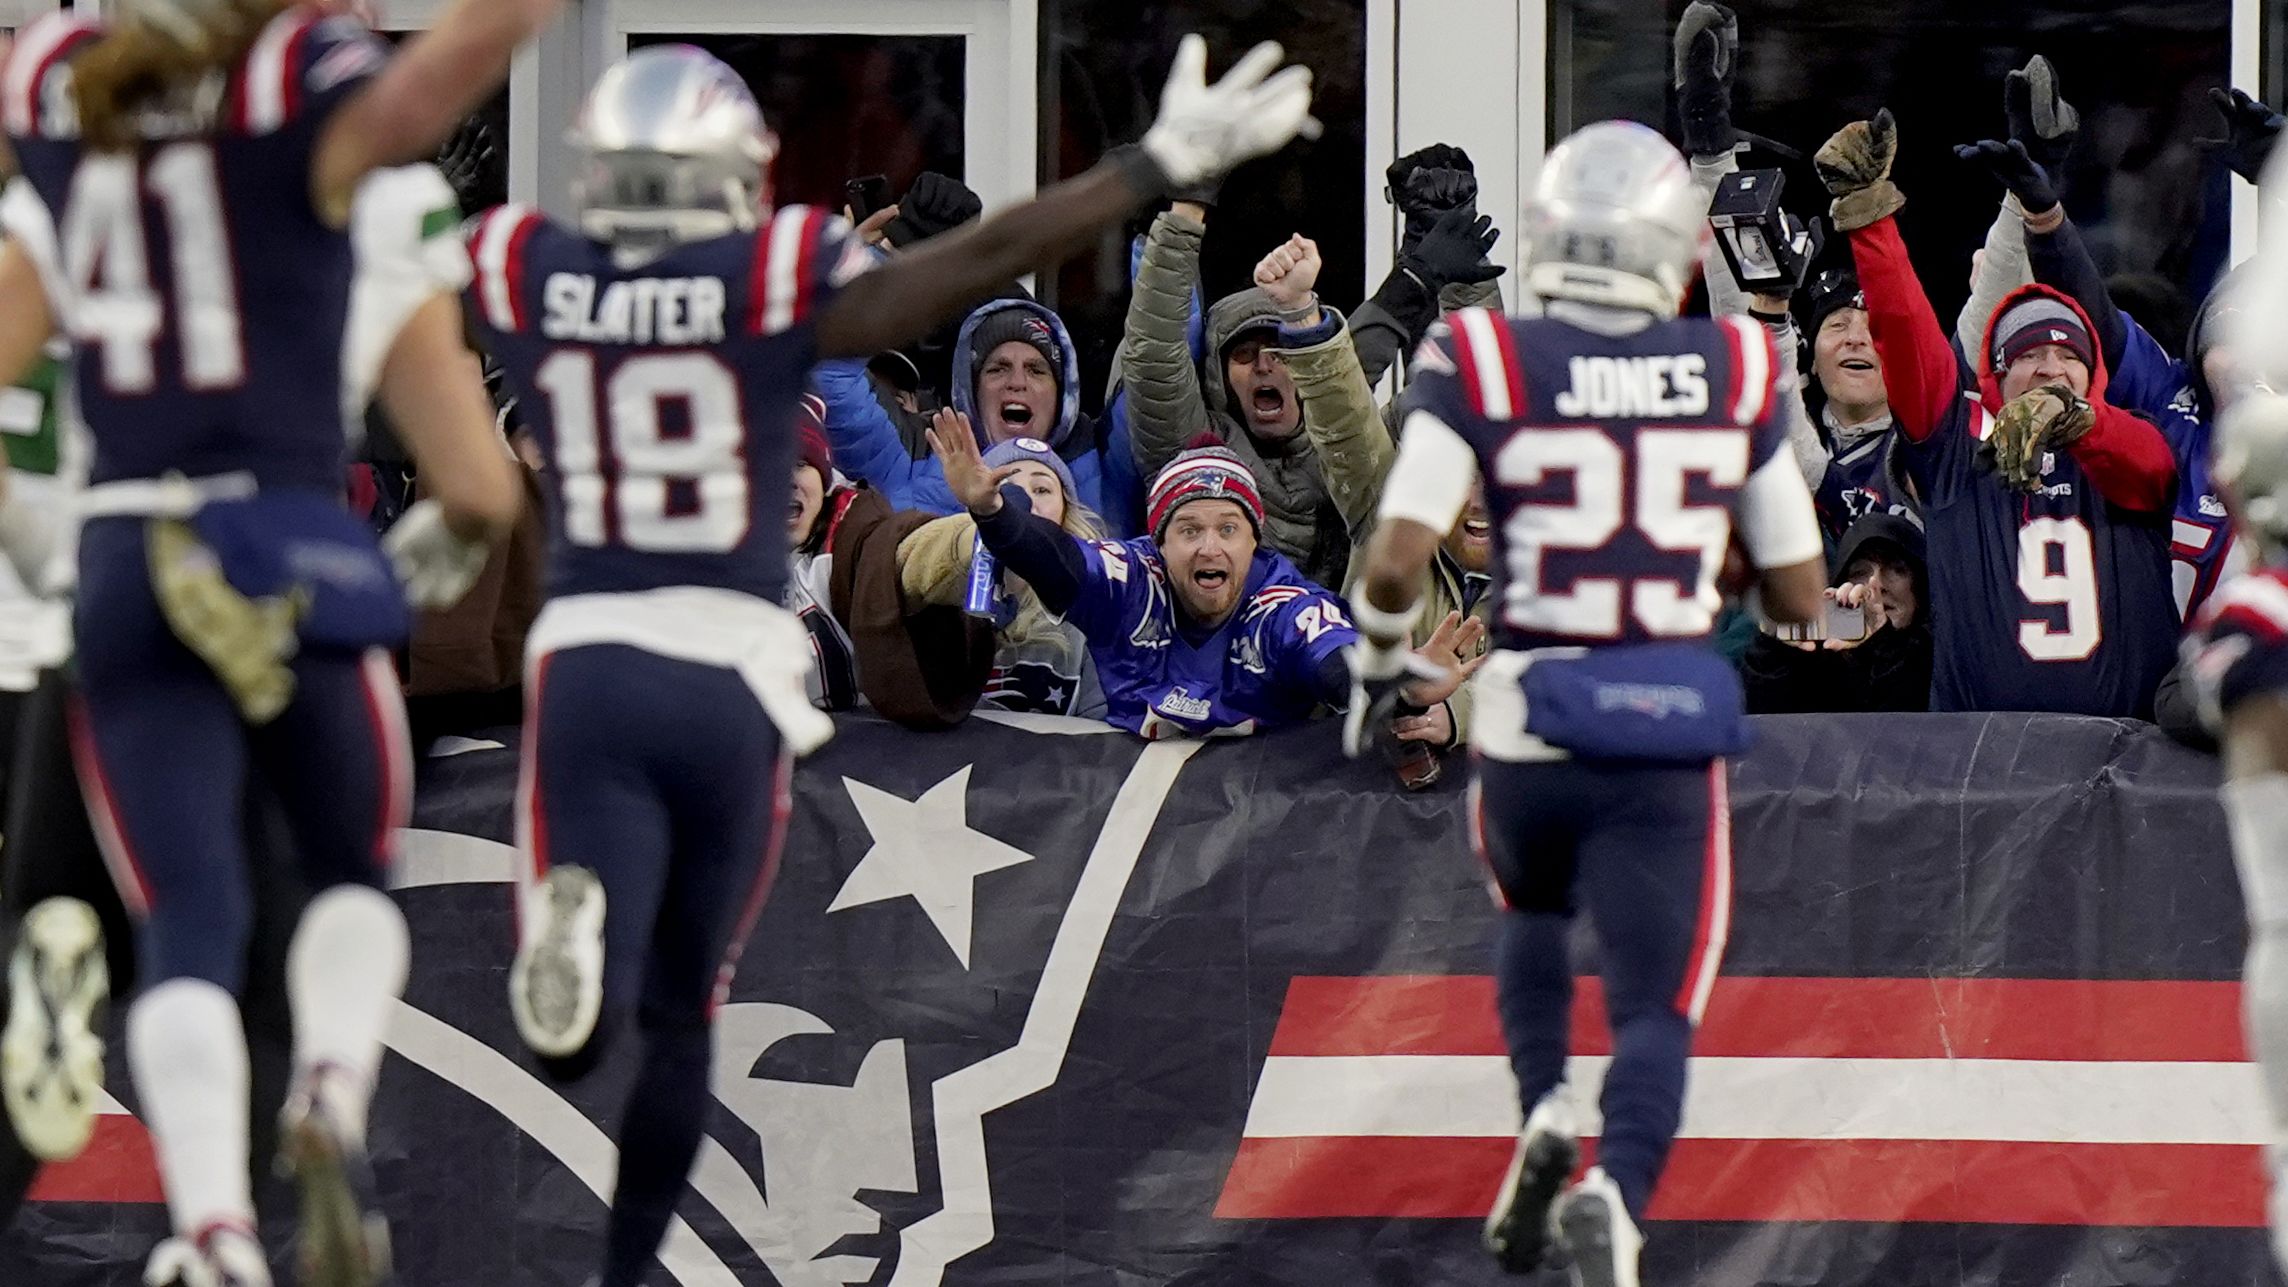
1855 164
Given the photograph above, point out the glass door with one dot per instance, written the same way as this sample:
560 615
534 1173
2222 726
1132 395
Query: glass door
859 87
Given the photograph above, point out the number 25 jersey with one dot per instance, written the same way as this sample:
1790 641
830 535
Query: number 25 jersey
663 394
206 298
1614 466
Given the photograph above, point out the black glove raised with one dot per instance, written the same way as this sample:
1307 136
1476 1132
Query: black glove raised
933 205
2013 169
1437 156
1454 250
1430 196
2039 116
2250 129
1707 58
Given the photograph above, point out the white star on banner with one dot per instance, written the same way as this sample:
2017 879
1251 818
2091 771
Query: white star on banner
925 850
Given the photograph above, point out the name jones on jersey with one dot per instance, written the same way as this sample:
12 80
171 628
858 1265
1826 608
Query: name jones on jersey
1630 387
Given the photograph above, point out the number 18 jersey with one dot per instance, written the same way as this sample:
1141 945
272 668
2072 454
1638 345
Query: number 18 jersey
663 394
1614 465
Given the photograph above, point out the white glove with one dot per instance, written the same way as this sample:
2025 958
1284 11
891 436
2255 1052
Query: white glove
1206 130
436 567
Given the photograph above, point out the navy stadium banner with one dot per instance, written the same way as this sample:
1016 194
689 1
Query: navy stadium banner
1037 1005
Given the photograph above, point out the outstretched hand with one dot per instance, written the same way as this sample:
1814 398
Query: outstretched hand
973 483
2015 169
1454 650
2250 130
1204 130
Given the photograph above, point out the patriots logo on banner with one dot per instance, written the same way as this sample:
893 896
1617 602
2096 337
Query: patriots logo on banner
1034 1002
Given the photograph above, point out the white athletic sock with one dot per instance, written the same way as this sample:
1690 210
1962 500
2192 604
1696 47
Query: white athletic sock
187 1048
346 965
2257 809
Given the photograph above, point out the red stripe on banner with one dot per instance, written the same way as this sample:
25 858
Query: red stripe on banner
1878 1181
2073 1019
116 1166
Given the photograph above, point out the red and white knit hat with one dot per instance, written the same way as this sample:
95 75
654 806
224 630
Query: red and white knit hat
1203 473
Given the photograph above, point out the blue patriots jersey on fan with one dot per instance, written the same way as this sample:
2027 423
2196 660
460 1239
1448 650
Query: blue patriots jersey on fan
1859 481
1612 465
663 395
2055 601
206 298
2200 534
2238 647
1257 670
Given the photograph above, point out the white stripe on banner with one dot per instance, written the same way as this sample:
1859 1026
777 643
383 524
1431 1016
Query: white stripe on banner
784 283
1785 1098
1490 361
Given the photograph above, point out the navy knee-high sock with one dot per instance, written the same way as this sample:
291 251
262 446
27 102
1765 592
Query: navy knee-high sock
659 1136
1643 1100
1534 977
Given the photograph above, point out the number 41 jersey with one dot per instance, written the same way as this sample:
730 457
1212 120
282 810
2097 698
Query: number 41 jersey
206 298
664 394
1614 466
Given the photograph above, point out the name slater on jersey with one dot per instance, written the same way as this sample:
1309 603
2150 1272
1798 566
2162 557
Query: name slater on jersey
644 310
1663 385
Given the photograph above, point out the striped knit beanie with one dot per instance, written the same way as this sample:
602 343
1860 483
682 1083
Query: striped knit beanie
811 446
1203 473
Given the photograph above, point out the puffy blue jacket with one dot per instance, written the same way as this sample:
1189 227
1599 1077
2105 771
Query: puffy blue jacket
866 444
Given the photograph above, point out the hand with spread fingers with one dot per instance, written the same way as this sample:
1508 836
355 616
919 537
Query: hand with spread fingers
1855 164
974 483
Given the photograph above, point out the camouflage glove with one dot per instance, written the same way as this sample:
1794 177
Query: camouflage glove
1855 164
2034 424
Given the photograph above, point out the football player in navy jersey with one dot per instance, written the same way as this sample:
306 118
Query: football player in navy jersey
659 349
2237 657
188 174
1622 449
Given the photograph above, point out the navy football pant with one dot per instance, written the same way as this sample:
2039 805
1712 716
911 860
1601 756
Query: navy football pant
50 852
1647 852
666 779
164 759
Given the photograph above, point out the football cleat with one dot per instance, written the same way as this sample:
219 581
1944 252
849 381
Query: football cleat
343 1237
51 1060
1518 1229
1594 1228
223 1256
556 986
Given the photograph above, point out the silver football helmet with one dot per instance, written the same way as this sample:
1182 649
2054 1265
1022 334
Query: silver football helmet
1614 220
672 148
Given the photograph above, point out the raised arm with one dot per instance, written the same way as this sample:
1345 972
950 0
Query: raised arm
2053 248
2045 124
1346 430
1202 130
1165 408
424 93
1921 373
